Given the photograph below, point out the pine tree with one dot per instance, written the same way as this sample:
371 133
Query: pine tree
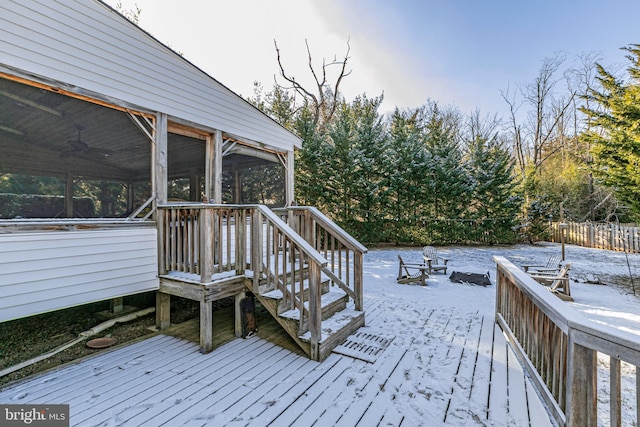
370 160
404 178
615 137
445 171
494 200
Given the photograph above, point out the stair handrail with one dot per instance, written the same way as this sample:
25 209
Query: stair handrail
320 218
290 233
344 238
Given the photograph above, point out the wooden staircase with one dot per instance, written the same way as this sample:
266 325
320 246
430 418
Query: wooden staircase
304 269
339 320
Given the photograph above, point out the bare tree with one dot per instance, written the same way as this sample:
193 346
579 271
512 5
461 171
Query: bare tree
543 134
325 96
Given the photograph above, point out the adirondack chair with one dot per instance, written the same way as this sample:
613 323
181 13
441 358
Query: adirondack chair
433 260
552 265
412 272
558 283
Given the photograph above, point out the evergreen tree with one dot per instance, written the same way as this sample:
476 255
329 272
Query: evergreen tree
404 176
493 183
615 137
312 168
342 177
445 169
369 152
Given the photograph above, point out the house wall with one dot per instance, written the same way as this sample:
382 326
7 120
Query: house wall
85 44
46 271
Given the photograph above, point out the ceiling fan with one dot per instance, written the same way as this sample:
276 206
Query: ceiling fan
80 148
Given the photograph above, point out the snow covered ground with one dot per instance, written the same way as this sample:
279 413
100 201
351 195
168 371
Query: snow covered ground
611 301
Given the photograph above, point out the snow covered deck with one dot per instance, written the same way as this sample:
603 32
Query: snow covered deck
449 367
442 361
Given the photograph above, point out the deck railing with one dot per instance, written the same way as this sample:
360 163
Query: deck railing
343 252
202 240
559 348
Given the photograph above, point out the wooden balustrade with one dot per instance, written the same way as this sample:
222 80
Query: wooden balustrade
559 346
190 233
205 239
343 253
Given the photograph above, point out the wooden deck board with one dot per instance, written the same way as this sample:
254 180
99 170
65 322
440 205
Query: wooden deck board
479 394
537 411
498 403
518 407
458 406
440 368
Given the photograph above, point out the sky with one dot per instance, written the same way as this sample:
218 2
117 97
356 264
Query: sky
461 53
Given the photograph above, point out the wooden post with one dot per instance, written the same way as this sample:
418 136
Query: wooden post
358 287
241 241
238 313
581 409
116 305
256 248
217 168
163 310
289 187
206 326
206 245
615 386
315 311
209 179
159 171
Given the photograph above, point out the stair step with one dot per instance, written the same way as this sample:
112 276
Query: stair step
277 293
330 303
336 329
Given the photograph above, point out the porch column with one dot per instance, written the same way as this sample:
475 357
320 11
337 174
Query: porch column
159 152
289 184
209 151
217 168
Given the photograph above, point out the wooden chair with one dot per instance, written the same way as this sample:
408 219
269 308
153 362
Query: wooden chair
552 265
411 273
558 283
433 260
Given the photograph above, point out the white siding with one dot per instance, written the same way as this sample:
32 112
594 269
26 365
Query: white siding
85 44
41 272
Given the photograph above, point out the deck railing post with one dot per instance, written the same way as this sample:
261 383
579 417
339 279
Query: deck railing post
256 248
241 241
358 287
581 410
206 245
315 313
